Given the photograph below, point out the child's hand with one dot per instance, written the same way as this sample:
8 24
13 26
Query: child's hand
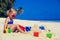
4 31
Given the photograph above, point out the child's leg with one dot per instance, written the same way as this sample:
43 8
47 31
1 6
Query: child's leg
15 26
19 29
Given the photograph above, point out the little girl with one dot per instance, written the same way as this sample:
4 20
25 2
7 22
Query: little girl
9 21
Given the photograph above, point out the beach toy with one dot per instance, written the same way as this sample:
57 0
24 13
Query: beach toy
49 35
28 28
36 34
42 28
6 30
9 30
22 28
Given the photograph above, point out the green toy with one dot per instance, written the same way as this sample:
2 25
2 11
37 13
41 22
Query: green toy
6 30
9 30
49 35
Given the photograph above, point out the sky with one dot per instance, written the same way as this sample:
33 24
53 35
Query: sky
38 9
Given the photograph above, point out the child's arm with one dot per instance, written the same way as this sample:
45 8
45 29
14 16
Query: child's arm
6 24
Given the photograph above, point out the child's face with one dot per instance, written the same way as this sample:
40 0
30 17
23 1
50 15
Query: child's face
12 14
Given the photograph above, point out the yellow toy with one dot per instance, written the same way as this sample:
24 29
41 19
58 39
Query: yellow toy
6 30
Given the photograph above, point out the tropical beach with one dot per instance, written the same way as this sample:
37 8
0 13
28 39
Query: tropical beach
29 19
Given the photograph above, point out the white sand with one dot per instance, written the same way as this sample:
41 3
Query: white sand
53 26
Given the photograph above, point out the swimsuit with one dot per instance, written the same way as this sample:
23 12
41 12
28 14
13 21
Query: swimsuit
10 22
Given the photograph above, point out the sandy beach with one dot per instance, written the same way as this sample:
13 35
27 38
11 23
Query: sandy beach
53 26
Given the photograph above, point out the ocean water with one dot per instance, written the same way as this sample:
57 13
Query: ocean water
47 10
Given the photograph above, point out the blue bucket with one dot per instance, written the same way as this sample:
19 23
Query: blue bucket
42 28
28 28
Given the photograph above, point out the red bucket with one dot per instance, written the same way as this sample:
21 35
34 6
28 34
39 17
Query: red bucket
22 28
36 34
